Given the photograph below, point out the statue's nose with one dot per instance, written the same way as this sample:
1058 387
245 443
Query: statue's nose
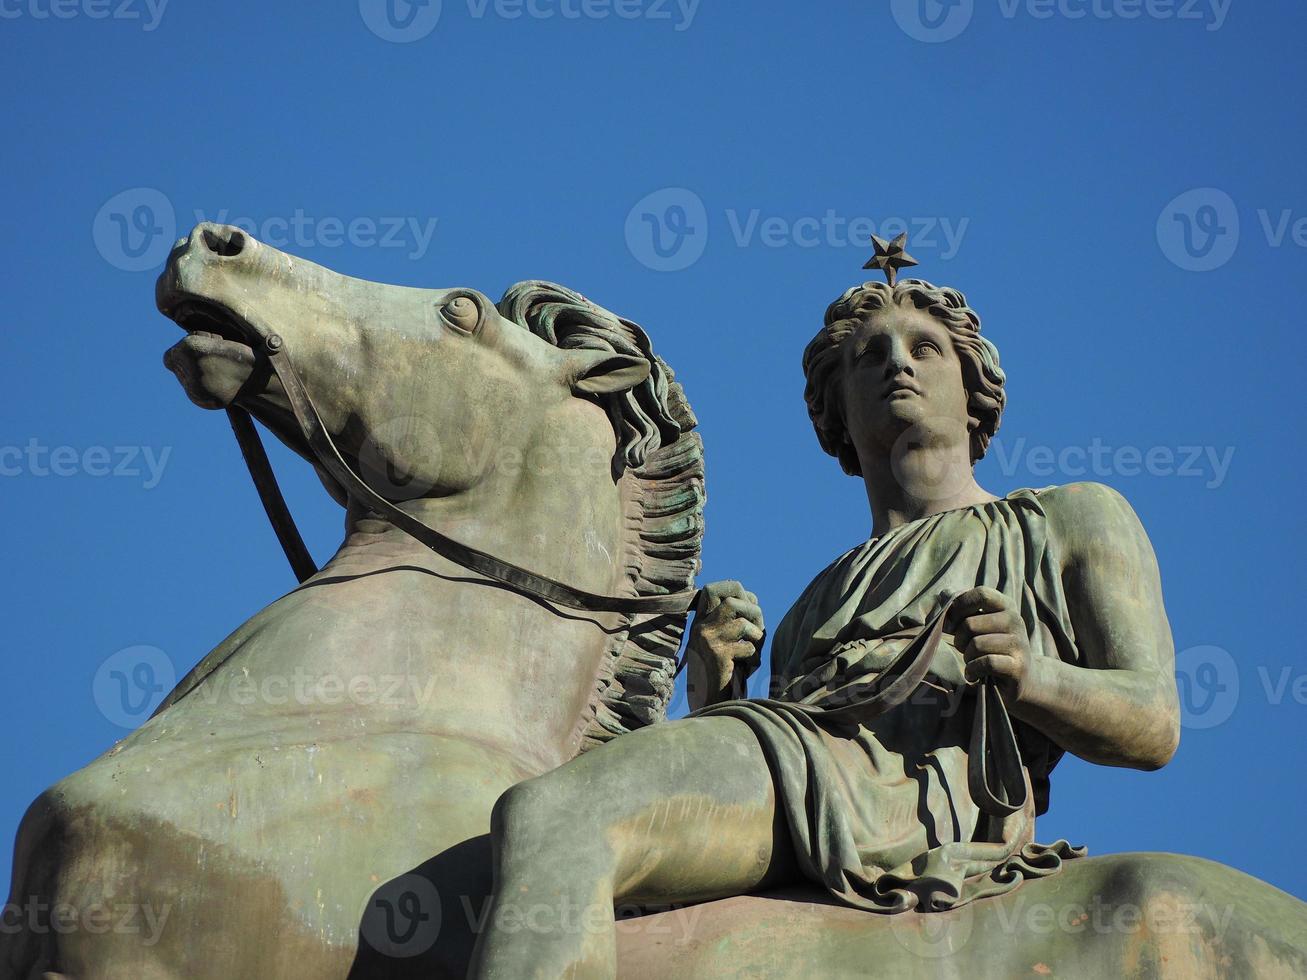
898 363
210 240
226 241
207 246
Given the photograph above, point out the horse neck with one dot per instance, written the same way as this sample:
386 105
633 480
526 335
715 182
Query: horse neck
513 670
553 508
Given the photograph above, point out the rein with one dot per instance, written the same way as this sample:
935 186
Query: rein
995 771
329 457
471 558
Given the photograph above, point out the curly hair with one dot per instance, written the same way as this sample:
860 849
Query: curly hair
644 417
823 365
664 500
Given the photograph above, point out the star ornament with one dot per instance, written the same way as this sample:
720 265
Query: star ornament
890 257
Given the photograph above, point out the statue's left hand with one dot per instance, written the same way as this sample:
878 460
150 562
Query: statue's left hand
992 638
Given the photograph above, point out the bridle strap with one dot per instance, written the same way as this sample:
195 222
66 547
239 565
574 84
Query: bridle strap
274 504
329 457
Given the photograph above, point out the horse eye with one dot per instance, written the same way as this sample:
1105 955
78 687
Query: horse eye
462 312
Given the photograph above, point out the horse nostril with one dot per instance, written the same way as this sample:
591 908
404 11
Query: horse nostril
226 242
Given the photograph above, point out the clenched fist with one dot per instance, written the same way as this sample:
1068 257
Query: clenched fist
991 636
725 644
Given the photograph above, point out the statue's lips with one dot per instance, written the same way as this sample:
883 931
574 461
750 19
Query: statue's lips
212 331
211 328
901 390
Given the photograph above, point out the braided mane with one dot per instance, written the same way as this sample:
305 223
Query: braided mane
662 495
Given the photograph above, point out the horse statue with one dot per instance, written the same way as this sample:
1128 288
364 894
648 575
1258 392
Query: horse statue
523 490
313 798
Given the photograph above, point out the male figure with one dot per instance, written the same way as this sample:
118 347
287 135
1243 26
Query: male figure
1052 599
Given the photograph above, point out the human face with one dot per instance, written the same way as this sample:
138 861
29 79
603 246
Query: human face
902 373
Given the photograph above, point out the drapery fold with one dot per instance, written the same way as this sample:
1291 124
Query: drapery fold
881 811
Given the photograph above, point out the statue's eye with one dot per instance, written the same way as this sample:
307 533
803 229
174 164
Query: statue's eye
462 313
924 349
872 353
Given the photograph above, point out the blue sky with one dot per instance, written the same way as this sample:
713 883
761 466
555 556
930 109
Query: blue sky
1117 185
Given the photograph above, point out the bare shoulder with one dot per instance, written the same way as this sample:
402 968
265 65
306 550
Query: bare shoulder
1093 521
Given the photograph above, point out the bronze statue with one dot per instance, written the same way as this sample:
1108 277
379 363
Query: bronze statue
923 688
357 731
523 498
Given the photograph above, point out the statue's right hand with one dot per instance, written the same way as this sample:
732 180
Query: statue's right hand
727 635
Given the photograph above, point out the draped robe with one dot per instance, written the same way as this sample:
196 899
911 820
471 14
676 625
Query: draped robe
879 811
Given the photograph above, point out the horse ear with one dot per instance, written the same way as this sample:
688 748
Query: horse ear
601 372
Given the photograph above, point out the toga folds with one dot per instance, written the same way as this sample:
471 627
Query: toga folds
879 810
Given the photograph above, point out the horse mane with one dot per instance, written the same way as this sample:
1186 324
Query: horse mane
663 496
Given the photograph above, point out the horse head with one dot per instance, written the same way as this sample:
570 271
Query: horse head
452 364
563 447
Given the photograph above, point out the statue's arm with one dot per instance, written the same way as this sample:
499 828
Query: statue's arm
1119 706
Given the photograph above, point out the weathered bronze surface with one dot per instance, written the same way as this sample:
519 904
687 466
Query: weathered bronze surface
1024 627
376 744
1120 915
265 806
